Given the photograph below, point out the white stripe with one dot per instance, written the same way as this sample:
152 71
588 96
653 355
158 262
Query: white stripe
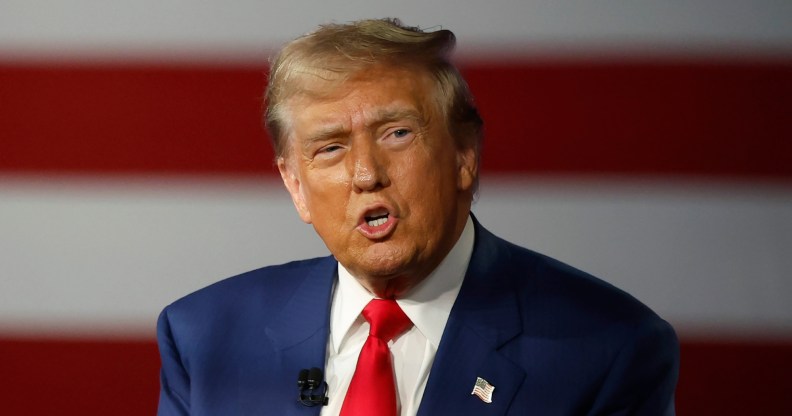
709 257
91 255
250 27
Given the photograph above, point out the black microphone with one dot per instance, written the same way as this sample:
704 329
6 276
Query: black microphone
313 388
302 379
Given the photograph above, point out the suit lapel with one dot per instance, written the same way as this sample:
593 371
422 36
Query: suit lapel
299 332
485 316
307 314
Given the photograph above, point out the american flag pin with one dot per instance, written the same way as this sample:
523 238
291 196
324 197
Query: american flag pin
483 390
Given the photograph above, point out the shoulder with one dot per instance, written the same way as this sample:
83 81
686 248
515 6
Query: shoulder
261 291
577 329
563 300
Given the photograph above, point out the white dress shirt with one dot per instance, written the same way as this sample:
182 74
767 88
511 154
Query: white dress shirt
427 305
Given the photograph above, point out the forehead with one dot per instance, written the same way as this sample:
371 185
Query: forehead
373 93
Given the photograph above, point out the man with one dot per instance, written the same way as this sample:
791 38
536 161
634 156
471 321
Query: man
377 141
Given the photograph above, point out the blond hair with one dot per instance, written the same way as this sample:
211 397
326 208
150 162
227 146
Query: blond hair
335 52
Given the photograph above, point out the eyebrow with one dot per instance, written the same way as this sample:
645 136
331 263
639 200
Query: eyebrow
380 117
324 133
394 114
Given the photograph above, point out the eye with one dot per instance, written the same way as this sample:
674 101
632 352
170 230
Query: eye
400 133
329 149
328 153
398 137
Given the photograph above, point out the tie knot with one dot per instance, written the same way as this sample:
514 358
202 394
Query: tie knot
386 318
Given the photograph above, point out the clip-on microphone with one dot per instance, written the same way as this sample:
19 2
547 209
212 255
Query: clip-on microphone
313 388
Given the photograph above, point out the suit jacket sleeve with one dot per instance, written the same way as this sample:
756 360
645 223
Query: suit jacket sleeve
174 380
643 376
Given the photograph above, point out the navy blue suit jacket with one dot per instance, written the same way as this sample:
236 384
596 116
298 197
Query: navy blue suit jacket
551 339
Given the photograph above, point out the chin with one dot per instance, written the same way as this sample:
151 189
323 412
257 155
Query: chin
383 269
384 262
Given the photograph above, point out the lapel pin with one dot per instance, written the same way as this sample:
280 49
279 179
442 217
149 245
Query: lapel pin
483 390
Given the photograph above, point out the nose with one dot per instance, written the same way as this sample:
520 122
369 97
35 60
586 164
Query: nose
368 167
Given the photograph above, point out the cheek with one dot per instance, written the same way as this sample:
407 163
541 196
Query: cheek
427 184
326 194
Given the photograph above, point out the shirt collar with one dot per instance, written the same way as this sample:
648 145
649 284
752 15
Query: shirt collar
428 304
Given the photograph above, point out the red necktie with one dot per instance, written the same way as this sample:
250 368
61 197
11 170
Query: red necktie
372 391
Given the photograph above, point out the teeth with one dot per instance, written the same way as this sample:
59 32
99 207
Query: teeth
377 222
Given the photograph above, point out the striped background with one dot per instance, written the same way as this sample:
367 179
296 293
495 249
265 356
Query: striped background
648 144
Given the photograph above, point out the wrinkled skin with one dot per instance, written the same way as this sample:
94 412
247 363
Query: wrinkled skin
376 146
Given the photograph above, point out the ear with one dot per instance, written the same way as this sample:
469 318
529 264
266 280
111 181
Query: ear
292 182
467 164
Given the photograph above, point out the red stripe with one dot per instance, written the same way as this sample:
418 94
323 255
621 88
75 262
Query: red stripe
132 119
78 377
735 378
615 117
638 118
95 377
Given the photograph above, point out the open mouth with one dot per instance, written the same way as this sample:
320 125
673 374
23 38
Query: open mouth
378 223
376 219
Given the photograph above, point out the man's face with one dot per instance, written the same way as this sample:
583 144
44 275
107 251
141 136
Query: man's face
372 167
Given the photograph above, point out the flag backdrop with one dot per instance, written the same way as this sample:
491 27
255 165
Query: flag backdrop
648 144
